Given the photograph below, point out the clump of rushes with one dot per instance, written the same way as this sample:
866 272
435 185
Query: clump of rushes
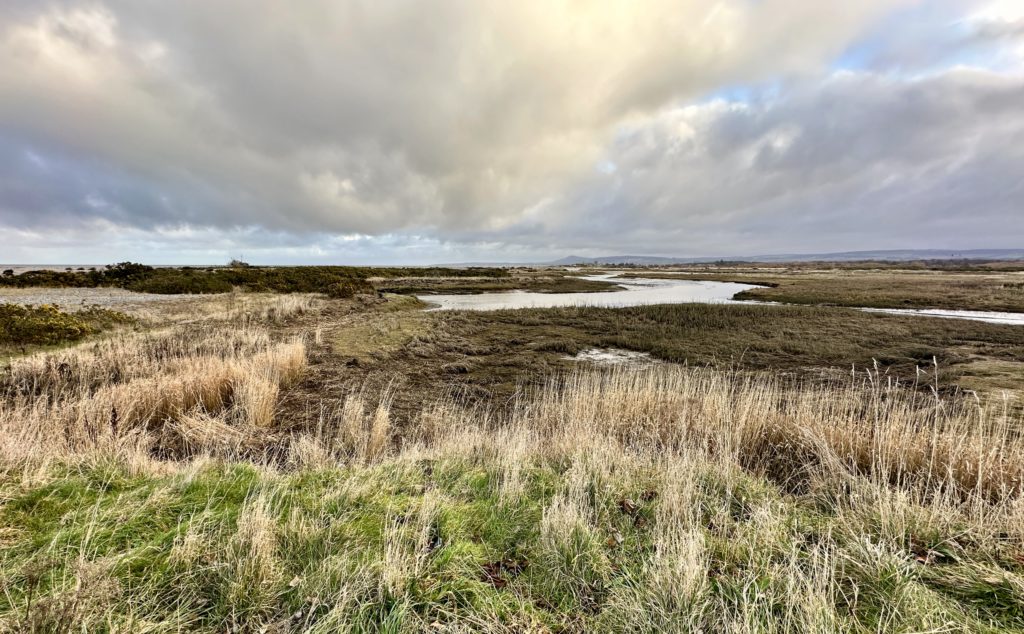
47 324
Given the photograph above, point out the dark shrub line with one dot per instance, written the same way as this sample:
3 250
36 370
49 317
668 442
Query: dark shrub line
336 281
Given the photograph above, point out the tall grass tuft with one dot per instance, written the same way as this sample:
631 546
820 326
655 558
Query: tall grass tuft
171 391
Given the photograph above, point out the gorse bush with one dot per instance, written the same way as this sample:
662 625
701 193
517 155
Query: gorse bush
47 324
348 288
39 325
344 280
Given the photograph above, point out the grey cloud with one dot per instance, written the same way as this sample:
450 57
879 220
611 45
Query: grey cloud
457 128
857 161
374 117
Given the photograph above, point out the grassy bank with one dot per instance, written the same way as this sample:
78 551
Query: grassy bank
666 500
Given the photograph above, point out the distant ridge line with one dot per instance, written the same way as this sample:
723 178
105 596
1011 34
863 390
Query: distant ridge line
897 255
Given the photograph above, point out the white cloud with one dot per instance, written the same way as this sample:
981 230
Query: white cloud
537 124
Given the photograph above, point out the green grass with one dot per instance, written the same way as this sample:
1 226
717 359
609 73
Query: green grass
415 545
180 537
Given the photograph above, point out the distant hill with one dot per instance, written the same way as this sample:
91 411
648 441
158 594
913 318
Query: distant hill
573 260
900 255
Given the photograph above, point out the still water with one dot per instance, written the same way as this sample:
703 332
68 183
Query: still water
635 292
641 291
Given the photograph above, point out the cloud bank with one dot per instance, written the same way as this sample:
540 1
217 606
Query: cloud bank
447 130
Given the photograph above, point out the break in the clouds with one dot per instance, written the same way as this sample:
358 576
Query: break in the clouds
450 130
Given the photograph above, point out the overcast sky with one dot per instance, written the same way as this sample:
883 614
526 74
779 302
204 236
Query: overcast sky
375 131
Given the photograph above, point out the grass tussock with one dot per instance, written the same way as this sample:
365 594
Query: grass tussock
143 389
261 309
665 499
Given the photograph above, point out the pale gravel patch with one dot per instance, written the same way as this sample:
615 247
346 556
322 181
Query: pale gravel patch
79 298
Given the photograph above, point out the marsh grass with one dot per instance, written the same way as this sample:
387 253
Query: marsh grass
141 388
248 309
155 483
802 340
662 499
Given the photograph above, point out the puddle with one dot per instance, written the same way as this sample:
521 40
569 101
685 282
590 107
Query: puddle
614 356
992 317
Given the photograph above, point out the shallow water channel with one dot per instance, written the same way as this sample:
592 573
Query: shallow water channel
635 292
643 291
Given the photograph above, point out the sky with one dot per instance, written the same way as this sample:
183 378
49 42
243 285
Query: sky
432 131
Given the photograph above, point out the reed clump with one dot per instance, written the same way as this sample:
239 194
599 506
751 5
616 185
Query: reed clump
140 388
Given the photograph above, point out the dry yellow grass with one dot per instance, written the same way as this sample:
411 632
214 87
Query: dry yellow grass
657 499
143 390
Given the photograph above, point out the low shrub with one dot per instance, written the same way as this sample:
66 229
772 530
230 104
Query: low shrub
348 288
47 324
336 281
